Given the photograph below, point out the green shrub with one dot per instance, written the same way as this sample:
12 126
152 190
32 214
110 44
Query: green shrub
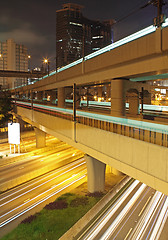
79 201
96 194
29 219
60 204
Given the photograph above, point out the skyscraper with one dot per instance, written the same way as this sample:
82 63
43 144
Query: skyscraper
77 36
13 57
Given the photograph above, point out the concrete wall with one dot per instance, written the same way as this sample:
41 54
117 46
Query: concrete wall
133 50
164 39
44 121
144 161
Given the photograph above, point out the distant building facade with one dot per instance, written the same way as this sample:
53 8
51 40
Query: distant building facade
77 36
13 57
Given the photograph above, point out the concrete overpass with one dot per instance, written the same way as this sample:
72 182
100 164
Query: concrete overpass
140 152
21 74
139 57
136 148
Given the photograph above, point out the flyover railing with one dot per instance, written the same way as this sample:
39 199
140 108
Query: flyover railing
142 130
151 136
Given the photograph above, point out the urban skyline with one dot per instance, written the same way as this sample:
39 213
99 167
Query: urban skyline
78 36
35 26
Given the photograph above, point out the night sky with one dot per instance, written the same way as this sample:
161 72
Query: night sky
32 22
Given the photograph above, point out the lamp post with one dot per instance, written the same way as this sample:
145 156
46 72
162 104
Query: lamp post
29 68
46 61
29 57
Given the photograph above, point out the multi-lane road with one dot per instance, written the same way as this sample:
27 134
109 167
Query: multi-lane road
140 212
32 196
67 170
27 143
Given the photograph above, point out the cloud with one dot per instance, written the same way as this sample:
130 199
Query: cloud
20 30
24 36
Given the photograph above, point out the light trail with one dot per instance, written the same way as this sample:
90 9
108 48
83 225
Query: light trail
160 222
51 162
146 217
3 215
152 218
158 213
122 214
102 222
7 221
63 168
130 214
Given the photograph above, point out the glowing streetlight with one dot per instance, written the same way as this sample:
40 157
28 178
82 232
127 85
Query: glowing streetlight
29 57
46 61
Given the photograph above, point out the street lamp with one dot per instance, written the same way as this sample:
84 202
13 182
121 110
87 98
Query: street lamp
46 61
29 57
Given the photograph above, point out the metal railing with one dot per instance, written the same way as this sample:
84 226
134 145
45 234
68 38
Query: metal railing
147 135
133 132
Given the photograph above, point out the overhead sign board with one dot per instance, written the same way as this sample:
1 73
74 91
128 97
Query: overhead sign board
14 133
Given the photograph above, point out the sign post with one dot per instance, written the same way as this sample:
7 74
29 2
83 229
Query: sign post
14 135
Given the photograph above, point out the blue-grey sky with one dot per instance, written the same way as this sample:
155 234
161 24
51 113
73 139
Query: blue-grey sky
32 22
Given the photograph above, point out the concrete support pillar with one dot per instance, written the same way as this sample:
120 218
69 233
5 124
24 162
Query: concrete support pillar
61 97
39 95
53 96
118 97
95 174
44 95
40 138
133 100
21 122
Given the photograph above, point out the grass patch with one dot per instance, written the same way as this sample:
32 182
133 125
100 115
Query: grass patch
55 219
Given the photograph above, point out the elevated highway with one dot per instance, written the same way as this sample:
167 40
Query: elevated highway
8 73
139 57
136 148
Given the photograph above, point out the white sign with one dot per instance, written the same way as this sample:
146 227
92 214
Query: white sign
14 133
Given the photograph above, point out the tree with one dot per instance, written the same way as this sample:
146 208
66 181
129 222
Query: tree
5 108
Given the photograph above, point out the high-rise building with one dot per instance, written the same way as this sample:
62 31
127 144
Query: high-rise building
101 34
77 36
13 57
